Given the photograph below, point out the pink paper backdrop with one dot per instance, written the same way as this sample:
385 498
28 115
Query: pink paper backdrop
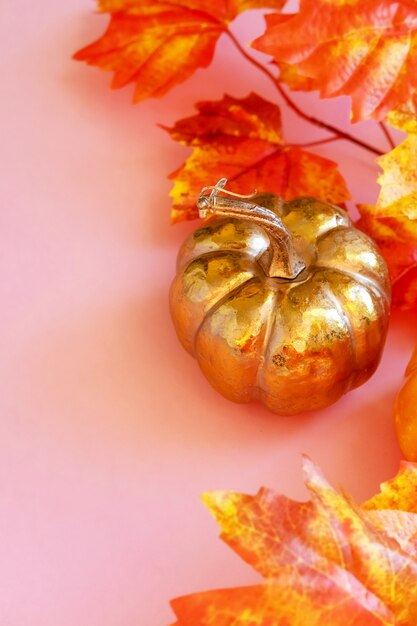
108 431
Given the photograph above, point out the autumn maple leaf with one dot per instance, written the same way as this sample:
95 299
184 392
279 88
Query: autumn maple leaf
398 195
241 139
396 238
366 49
159 43
392 223
326 562
404 116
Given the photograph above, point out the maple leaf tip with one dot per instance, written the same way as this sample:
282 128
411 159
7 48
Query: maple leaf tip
252 44
223 506
312 473
307 464
214 500
215 503
209 499
79 55
168 129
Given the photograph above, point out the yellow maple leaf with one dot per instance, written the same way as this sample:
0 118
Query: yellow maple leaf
398 195
326 562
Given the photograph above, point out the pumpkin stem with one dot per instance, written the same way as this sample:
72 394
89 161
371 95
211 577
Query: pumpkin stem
280 260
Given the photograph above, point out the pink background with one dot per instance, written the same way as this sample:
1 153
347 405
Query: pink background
108 432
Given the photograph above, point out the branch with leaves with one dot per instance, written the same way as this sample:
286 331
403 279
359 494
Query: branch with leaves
327 562
366 49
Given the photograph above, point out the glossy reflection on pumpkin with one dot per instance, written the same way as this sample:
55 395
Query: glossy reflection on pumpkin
295 344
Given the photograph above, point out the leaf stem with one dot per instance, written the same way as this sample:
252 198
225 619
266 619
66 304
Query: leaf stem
387 135
313 120
319 142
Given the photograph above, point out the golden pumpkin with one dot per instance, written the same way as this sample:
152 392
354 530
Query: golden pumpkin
284 302
406 412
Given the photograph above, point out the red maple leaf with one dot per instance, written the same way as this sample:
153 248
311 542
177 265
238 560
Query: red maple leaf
326 562
159 43
396 237
241 139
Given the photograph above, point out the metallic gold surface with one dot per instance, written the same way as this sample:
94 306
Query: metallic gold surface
295 343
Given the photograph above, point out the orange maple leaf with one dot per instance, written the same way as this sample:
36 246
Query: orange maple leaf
366 49
297 82
396 237
160 43
404 116
241 139
327 562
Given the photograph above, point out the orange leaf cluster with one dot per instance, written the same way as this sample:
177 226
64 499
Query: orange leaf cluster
398 196
393 222
366 49
241 139
158 43
326 562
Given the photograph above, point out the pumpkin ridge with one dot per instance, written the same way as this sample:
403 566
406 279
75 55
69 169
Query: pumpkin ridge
230 246
366 282
241 344
220 303
333 230
210 253
270 327
348 322
379 303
